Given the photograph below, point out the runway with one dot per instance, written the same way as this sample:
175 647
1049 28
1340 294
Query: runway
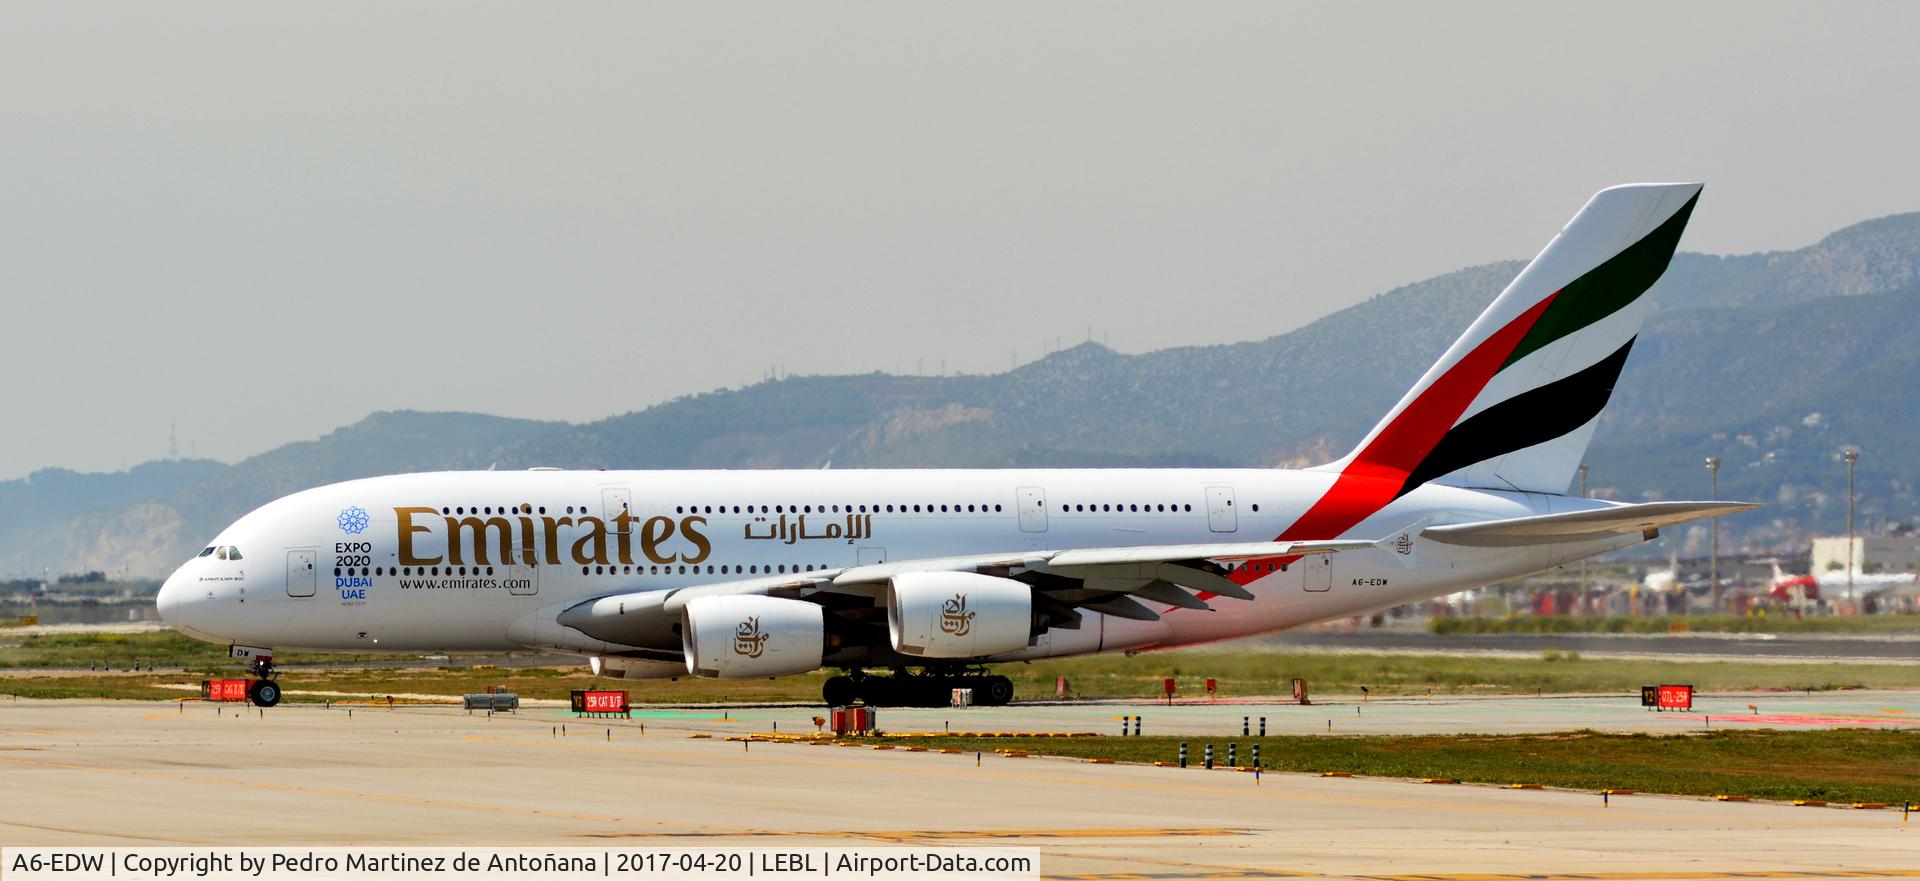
151 773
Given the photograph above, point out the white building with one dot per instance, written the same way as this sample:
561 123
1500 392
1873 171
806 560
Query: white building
1871 553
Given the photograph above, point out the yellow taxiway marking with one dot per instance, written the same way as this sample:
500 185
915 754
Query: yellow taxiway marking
954 834
1694 875
931 834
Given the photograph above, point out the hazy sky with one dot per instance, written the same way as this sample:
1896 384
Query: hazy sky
264 221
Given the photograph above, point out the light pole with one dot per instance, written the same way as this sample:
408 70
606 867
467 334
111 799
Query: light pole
1851 455
1713 552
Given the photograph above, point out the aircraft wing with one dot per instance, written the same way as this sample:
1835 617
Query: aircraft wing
1576 525
1105 580
1070 561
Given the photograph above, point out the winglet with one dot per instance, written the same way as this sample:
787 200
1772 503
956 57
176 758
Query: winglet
1402 545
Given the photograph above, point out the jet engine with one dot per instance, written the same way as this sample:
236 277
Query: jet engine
750 636
957 614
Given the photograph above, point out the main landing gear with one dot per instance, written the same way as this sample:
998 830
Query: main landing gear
915 690
263 690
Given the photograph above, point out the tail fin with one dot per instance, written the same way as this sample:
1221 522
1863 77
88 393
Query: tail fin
1513 402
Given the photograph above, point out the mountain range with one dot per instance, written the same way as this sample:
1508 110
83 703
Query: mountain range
1772 362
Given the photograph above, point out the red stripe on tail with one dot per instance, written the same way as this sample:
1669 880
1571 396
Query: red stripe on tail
1375 476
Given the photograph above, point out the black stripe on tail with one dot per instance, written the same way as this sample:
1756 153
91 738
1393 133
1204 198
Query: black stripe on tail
1532 417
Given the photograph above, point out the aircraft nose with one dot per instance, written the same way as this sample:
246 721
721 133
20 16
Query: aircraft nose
170 600
205 612
183 607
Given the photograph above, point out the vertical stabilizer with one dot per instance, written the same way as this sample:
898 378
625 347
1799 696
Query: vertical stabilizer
1513 402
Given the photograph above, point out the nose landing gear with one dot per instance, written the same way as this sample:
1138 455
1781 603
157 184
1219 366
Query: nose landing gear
263 691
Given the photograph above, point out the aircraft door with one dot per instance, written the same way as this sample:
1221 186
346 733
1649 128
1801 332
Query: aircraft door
613 500
1316 572
1220 513
300 572
1033 508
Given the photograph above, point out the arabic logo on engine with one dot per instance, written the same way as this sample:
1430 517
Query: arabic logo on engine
353 521
954 617
748 639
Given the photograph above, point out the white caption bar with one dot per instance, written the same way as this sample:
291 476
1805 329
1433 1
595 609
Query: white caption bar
521 863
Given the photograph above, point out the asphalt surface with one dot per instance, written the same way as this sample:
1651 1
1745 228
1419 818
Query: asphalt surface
157 773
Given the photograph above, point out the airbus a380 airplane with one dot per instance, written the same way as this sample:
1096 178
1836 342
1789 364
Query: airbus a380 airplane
736 574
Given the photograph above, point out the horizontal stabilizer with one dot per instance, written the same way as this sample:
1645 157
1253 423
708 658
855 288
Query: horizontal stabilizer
1579 525
1401 546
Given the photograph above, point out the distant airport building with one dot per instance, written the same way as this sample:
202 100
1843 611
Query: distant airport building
1872 553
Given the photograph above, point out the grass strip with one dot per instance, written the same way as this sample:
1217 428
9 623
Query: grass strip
1239 673
1657 624
1838 766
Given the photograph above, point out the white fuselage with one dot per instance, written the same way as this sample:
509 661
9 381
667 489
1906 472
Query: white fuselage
367 565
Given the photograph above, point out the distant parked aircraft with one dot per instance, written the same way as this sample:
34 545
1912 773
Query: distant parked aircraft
1833 583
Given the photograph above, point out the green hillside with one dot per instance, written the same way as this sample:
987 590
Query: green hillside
1771 361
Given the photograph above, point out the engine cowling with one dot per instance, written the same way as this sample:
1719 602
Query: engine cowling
746 637
957 614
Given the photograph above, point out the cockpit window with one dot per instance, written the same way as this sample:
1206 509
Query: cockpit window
233 553
208 552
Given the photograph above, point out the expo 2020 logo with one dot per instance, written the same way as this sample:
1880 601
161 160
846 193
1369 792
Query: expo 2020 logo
353 521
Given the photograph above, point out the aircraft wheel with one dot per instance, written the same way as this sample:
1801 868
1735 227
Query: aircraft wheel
839 691
994 691
264 692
